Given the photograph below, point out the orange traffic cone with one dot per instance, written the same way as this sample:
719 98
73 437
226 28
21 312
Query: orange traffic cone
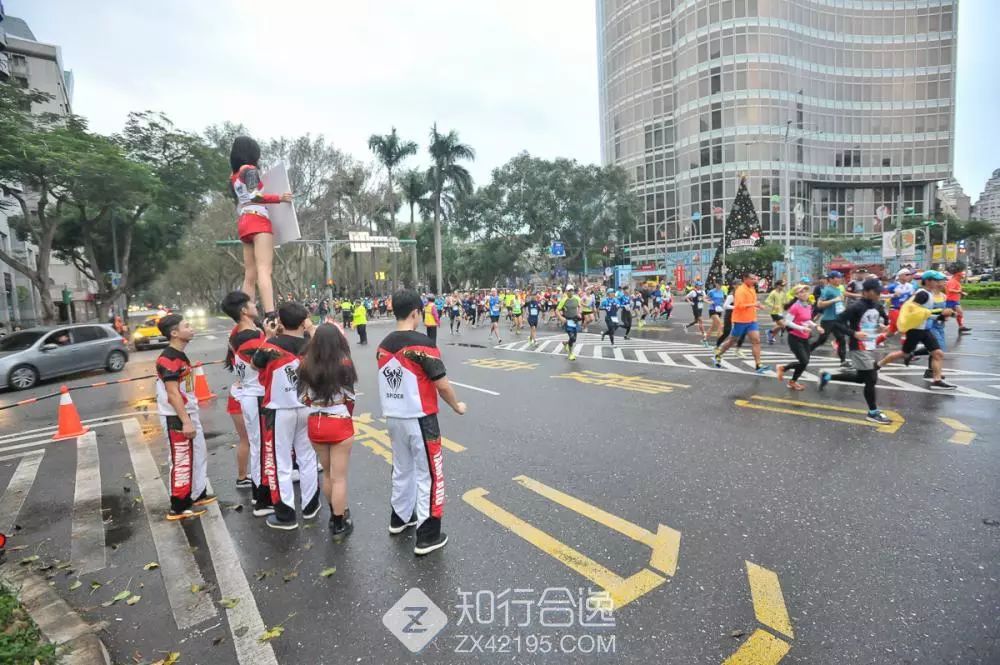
201 390
70 426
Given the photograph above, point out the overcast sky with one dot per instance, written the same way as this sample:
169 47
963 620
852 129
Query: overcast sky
508 75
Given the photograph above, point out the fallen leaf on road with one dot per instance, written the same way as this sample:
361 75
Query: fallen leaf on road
151 565
28 559
737 633
95 585
262 574
64 565
133 600
327 572
238 507
218 640
241 631
75 585
229 603
291 576
170 659
307 546
195 588
269 635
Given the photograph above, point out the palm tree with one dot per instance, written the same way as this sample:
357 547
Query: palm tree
413 187
390 150
446 151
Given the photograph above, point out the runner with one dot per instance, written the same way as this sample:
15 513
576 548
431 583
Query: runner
410 378
716 299
287 418
745 308
625 300
799 321
610 304
326 386
568 310
454 314
432 318
859 323
899 292
180 420
588 308
534 309
695 297
515 310
727 319
916 320
775 303
493 303
954 292
831 304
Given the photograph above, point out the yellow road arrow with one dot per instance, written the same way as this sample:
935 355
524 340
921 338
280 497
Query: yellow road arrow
893 427
763 648
963 433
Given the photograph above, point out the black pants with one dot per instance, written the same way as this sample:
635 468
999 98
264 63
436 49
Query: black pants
362 333
610 332
868 377
627 321
800 347
837 335
572 332
348 317
432 332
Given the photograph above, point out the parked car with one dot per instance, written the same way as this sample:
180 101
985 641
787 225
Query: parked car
28 356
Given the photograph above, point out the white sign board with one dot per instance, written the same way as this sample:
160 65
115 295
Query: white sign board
283 219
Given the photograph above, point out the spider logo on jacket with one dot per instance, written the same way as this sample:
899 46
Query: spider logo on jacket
292 374
394 375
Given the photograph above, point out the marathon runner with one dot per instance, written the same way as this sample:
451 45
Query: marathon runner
745 308
611 305
569 313
493 306
695 297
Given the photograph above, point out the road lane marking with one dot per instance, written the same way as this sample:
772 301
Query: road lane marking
38 440
897 420
233 583
87 547
621 590
665 544
500 363
762 648
768 601
32 433
964 435
178 568
17 489
621 381
379 442
482 390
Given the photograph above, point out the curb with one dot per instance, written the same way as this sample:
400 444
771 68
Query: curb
76 641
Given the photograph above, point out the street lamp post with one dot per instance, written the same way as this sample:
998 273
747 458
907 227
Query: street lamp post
787 206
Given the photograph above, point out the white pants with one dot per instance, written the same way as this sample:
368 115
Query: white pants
417 472
188 462
291 432
250 406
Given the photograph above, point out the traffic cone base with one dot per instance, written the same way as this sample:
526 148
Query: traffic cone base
201 390
69 425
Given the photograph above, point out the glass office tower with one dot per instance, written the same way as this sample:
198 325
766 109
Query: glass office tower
849 102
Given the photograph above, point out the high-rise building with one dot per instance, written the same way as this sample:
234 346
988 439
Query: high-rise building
849 102
954 200
988 205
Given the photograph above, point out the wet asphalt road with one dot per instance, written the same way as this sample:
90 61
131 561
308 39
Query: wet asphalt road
876 546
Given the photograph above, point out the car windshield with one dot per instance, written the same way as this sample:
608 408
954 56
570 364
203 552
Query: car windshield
20 341
149 323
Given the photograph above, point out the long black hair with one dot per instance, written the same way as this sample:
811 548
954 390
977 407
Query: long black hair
245 151
326 368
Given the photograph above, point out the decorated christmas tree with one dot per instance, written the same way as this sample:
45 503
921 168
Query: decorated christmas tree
743 236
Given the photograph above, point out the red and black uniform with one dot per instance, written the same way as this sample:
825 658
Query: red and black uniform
250 202
242 346
285 420
188 461
409 364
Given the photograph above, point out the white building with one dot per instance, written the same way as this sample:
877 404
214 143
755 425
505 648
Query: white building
988 205
29 63
954 199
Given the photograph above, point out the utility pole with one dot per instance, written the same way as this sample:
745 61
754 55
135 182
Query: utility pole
327 258
786 201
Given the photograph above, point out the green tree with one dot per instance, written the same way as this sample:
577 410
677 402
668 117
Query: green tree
413 187
390 151
446 152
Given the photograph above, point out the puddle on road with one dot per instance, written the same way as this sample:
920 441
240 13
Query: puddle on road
118 511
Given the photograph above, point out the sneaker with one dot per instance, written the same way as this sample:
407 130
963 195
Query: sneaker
796 386
427 546
929 375
780 371
878 417
963 330
244 483
907 359
941 385
717 359
572 356
397 525
205 499
770 339
275 522
824 379
184 514
846 364
626 337
341 526
311 509
763 369
704 342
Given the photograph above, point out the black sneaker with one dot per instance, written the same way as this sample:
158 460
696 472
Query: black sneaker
963 330
397 525
311 509
434 543
244 483
907 359
929 375
341 526
941 385
878 417
276 522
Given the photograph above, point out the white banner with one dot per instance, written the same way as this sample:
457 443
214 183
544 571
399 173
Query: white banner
284 221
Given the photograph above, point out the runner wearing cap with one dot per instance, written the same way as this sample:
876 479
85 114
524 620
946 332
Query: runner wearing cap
830 305
568 310
900 291
954 293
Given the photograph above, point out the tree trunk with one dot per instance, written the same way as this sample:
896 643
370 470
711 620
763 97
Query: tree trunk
413 253
46 231
393 256
437 239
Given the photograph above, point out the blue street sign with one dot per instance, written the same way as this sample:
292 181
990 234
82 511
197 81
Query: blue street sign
558 249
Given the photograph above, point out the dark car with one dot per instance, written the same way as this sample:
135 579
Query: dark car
28 356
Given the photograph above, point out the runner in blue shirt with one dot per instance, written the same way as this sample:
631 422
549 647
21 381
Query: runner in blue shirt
625 304
534 309
611 306
493 305
715 298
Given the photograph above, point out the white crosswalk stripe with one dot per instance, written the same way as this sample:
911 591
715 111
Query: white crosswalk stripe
697 356
17 489
87 540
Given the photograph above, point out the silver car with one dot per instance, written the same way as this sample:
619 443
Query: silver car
28 356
